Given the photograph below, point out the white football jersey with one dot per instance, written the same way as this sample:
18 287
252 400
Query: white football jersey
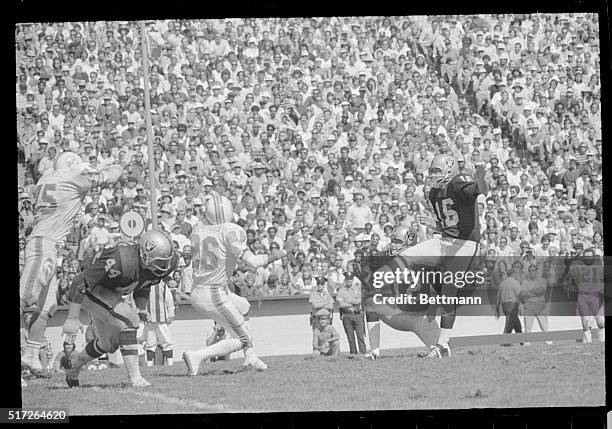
216 251
57 200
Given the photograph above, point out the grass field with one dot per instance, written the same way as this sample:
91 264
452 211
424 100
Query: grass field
564 374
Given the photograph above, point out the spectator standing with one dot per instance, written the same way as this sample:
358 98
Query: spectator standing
508 297
157 329
349 301
320 299
586 275
533 299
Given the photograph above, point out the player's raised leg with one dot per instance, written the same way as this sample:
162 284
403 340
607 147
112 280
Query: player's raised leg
458 257
215 302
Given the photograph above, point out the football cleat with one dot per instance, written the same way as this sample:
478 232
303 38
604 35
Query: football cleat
192 362
140 382
437 351
372 356
72 375
256 363
23 383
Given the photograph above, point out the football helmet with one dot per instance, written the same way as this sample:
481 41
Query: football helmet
402 238
69 161
442 169
156 252
218 209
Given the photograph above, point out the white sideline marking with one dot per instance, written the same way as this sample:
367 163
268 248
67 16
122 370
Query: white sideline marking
181 402
169 399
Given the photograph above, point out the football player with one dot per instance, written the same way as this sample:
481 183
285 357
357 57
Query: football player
453 197
58 197
407 318
126 268
218 245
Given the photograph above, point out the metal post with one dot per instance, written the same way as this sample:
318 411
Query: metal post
147 98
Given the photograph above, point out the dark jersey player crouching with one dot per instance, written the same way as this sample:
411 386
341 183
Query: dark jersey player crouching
402 317
126 268
453 198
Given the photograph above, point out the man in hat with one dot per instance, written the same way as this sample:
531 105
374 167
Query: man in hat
349 301
319 299
325 338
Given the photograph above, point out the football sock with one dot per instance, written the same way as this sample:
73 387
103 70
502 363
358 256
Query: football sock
150 357
586 335
221 348
444 336
168 355
586 322
130 358
374 336
601 335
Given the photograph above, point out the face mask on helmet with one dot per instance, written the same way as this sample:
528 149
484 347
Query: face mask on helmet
403 237
156 252
158 266
437 177
396 246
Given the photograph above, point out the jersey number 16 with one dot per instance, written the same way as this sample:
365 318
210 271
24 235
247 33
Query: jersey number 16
208 258
446 214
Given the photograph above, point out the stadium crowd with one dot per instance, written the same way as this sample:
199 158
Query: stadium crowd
320 127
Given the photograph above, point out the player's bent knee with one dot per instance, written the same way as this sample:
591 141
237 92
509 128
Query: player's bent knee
108 345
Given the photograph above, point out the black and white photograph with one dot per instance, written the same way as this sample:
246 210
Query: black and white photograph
327 213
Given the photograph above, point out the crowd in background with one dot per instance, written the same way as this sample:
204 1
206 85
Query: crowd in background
323 128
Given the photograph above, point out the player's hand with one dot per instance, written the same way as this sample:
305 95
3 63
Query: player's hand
71 327
290 244
144 315
170 320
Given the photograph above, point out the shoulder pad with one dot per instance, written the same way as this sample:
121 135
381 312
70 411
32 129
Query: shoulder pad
233 233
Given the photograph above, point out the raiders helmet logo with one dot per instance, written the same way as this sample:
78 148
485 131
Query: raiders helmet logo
411 237
149 246
450 162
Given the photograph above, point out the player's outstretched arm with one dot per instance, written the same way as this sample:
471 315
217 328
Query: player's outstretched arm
112 173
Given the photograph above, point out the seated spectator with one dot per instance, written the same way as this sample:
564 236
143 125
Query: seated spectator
325 338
